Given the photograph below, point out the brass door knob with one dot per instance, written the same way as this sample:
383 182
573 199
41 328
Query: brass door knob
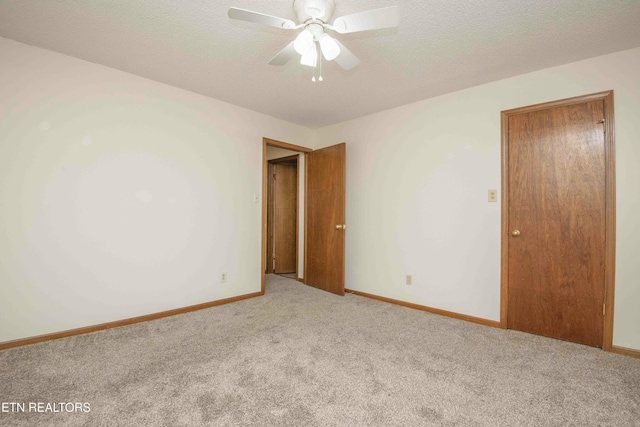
339 227
515 233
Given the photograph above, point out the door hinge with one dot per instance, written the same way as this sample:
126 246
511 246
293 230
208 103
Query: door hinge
604 309
602 122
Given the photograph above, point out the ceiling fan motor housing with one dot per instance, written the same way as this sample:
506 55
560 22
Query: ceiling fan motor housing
307 10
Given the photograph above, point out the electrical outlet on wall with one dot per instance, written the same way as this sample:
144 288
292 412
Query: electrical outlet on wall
223 277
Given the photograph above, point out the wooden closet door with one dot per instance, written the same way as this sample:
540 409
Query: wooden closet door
556 217
286 211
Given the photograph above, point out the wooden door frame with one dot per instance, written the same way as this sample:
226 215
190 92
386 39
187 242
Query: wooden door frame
610 208
263 222
268 268
270 195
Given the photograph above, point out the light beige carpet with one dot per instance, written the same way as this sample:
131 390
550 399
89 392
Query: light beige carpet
302 357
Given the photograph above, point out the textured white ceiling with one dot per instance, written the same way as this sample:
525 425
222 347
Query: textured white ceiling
440 46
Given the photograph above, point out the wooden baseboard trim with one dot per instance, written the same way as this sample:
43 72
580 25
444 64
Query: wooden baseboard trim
478 320
300 279
626 351
139 319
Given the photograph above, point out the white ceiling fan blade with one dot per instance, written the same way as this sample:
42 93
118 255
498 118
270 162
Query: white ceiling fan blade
376 19
260 18
346 59
284 55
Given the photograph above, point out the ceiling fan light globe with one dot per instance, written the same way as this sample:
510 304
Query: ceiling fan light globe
310 58
304 42
330 49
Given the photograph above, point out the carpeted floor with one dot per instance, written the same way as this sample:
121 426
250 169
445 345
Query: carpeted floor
303 357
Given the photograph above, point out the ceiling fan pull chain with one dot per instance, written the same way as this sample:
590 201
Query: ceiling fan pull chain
313 79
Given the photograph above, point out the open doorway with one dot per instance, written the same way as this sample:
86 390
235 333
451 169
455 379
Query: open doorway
321 214
281 155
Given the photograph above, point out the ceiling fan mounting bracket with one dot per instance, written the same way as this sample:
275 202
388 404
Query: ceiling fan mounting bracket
310 10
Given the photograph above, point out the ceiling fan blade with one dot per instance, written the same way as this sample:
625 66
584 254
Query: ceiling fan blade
260 18
376 19
284 55
346 59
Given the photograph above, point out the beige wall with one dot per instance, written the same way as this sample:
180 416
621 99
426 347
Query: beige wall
417 181
120 196
278 153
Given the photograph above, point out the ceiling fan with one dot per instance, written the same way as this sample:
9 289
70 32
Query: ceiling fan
313 16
